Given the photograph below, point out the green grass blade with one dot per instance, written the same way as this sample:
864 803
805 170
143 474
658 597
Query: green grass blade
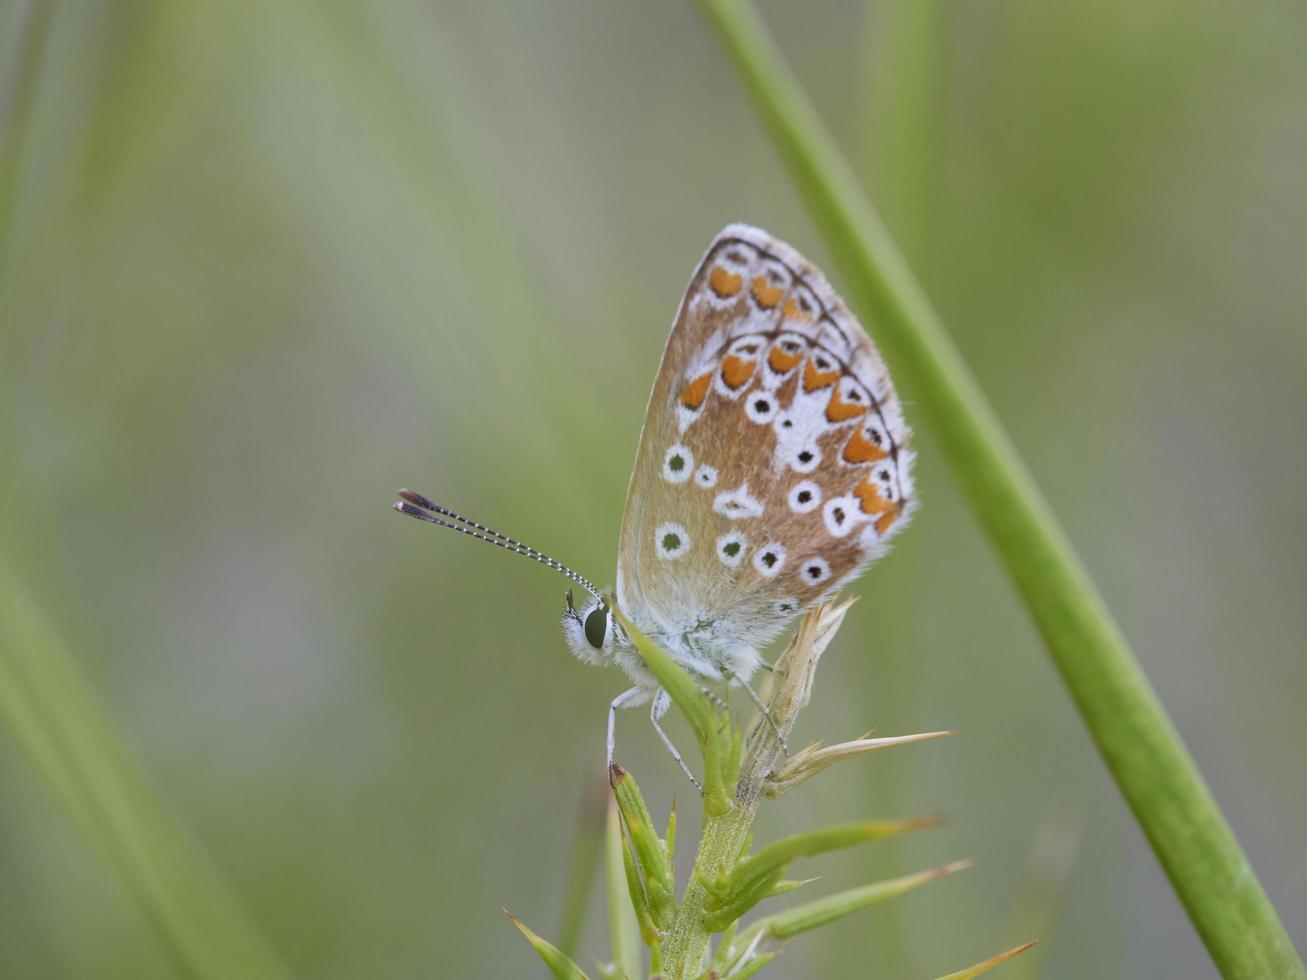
622 943
585 861
71 742
16 106
1167 794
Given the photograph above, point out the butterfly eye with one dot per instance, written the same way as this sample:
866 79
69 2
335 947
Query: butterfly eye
596 627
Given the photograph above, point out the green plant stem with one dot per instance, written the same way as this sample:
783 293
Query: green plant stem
721 843
1159 780
725 834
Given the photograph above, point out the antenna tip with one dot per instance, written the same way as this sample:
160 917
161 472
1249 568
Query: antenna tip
408 509
416 498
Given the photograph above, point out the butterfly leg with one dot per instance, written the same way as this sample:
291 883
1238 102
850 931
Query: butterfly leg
632 698
718 701
762 708
661 702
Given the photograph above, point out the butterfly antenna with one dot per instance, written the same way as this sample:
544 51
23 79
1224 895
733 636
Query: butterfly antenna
415 505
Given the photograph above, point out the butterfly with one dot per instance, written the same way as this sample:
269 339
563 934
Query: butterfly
772 469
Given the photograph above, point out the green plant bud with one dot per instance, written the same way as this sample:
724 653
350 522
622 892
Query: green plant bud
649 933
655 869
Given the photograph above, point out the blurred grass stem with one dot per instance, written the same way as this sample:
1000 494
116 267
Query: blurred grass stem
72 743
590 833
623 940
1165 791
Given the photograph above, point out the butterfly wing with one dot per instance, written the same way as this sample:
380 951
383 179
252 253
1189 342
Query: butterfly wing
773 466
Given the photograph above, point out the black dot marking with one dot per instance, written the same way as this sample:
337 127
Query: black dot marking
814 571
804 304
769 559
787 424
823 364
884 475
790 346
805 496
676 463
805 457
736 257
761 405
784 607
876 437
731 548
750 349
671 541
854 396
838 514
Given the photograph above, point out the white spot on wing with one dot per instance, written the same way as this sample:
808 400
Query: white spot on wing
769 559
841 515
805 458
731 547
737 504
705 476
761 407
671 540
816 570
678 464
804 496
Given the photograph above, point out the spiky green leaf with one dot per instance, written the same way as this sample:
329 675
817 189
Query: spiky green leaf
821 911
560 964
987 965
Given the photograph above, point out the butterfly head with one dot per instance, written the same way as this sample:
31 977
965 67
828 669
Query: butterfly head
591 632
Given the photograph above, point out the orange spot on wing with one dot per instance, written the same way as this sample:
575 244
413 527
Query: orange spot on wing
792 312
872 501
766 295
781 362
814 379
736 371
693 394
860 449
724 284
838 410
886 520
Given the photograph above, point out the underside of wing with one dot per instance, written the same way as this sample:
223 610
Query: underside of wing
773 465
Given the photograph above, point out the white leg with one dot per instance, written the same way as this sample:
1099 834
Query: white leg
714 697
632 698
661 702
766 714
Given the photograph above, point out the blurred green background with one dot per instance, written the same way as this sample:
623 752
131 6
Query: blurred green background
260 265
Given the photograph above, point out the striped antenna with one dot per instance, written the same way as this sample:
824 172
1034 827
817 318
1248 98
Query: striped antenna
415 505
